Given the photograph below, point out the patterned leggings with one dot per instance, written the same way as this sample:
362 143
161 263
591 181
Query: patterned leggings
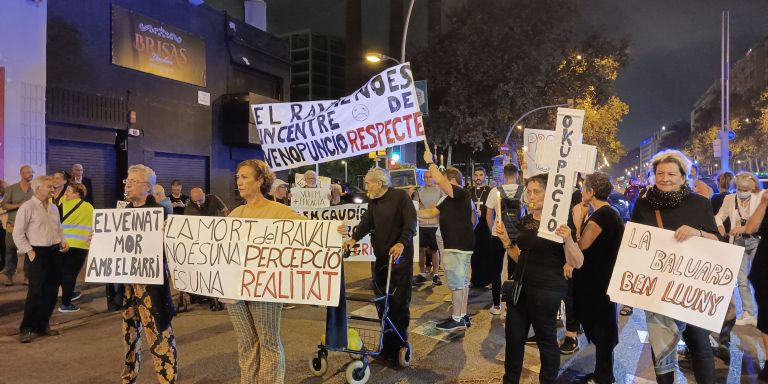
260 351
137 319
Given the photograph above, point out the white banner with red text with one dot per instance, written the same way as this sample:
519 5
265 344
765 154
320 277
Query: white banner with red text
690 280
383 113
285 261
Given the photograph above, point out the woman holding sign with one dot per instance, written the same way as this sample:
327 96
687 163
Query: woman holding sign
257 323
671 204
540 269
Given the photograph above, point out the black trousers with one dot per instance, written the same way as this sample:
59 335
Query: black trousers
44 278
702 359
537 307
571 324
399 301
71 263
497 264
604 343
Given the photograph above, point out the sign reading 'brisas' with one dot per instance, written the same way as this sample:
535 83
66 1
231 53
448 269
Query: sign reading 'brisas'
382 113
148 45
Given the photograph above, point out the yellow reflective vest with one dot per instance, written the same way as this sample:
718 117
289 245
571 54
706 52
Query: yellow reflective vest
78 224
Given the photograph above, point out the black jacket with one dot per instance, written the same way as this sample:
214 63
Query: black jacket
162 304
390 219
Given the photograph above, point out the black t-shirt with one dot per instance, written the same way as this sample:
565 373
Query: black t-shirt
544 258
694 211
211 207
183 199
595 274
456 220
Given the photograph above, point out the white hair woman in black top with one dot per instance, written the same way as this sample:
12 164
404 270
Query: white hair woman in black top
671 204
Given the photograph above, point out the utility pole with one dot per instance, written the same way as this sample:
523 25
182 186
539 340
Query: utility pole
725 93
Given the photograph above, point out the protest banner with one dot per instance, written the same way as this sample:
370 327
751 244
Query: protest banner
382 113
350 214
273 260
127 246
564 156
690 280
310 197
535 139
322 181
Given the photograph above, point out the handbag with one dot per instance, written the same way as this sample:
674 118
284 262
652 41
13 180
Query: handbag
511 289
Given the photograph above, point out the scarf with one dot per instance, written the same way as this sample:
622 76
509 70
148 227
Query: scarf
660 199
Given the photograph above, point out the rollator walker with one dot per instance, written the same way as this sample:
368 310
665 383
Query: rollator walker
371 341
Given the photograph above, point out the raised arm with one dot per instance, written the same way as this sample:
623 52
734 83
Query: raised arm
440 180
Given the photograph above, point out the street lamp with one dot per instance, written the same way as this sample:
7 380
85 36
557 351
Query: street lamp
375 57
346 180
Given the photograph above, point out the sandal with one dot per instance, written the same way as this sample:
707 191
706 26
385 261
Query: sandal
626 310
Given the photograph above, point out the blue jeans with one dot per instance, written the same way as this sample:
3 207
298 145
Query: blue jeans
664 333
745 291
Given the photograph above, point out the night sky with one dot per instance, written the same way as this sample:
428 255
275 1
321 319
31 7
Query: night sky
674 57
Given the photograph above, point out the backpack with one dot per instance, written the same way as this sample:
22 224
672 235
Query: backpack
511 211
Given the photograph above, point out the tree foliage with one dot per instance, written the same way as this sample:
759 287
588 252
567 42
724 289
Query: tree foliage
498 59
601 126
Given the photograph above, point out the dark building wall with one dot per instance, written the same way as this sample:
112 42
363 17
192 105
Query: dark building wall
168 112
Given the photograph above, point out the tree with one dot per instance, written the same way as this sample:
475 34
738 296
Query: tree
601 126
498 59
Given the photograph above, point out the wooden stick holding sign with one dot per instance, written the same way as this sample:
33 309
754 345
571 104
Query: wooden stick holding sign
565 156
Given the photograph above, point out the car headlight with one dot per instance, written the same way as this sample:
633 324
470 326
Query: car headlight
357 200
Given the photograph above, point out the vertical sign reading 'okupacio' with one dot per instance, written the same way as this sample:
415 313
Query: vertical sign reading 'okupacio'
150 46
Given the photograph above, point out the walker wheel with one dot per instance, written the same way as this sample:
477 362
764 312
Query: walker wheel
318 366
358 372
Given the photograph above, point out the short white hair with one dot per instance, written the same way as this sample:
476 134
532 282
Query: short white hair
38 181
159 189
147 174
380 174
672 156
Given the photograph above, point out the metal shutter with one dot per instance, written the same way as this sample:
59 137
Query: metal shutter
191 170
98 162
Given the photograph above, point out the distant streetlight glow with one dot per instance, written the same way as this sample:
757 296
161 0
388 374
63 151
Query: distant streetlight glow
375 57
519 126
578 57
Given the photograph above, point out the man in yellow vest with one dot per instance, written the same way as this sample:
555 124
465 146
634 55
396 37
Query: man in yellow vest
76 223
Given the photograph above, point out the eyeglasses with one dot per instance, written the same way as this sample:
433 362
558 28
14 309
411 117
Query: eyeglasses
132 182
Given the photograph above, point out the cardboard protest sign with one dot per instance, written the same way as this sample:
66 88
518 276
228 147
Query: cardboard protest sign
322 181
534 140
382 113
350 214
310 197
281 261
564 157
690 281
127 246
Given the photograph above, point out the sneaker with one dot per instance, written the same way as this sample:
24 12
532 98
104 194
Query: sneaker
746 319
569 346
49 332
25 337
436 280
495 310
419 279
467 320
68 308
76 295
531 340
451 325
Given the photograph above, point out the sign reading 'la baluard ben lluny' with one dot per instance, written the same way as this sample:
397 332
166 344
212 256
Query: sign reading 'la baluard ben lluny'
148 45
